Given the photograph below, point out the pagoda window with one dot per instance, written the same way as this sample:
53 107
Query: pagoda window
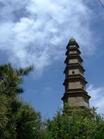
73 72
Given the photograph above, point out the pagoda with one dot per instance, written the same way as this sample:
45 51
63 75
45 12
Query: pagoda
75 94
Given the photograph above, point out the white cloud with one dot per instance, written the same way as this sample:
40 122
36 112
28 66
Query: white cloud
36 31
97 98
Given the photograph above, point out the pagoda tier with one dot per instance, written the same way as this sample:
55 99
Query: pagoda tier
73 49
74 66
75 83
73 56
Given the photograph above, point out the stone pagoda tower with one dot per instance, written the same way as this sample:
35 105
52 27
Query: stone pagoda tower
75 84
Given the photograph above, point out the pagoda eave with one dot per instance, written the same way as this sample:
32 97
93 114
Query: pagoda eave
73 49
72 56
70 78
81 94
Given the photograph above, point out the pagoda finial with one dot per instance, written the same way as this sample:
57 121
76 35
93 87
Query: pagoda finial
72 41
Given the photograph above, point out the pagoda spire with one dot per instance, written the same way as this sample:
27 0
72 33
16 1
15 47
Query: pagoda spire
72 41
75 94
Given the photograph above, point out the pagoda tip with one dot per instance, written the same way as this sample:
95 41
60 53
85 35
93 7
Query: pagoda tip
72 41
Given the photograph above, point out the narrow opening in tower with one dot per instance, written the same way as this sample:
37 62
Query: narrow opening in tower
73 72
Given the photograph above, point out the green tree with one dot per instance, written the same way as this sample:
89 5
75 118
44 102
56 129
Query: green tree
99 128
77 125
17 120
3 113
28 123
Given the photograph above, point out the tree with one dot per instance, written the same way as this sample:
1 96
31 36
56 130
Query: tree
3 113
28 123
75 126
99 128
17 120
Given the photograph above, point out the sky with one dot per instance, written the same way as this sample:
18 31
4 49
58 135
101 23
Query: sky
36 32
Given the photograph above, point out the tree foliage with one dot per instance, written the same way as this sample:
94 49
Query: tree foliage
75 126
17 120
28 123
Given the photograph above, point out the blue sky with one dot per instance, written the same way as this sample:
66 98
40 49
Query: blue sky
36 32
